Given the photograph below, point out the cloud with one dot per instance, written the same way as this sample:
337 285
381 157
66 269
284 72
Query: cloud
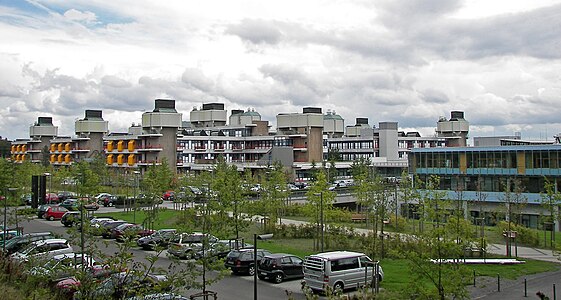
87 17
256 31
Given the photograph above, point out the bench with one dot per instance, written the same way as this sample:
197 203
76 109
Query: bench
358 217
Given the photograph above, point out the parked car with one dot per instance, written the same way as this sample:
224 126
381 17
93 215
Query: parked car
42 209
63 195
125 285
134 231
280 266
54 213
242 260
90 204
108 226
221 248
339 270
62 265
70 218
17 243
68 286
99 197
99 221
70 204
185 245
159 238
43 249
51 198
5 236
168 195
26 199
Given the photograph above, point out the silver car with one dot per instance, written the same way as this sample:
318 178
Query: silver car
42 250
186 245
339 270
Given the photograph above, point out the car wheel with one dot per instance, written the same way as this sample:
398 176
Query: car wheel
110 204
338 288
278 278
251 270
51 218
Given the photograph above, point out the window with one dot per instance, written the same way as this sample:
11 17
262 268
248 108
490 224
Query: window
344 264
296 260
286 261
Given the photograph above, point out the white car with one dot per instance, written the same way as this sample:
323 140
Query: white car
62 265
42 250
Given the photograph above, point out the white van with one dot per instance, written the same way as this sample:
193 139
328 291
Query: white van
339 270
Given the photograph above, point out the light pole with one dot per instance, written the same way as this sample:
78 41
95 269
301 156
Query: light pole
321 217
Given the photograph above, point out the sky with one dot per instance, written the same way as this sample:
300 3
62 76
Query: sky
387 60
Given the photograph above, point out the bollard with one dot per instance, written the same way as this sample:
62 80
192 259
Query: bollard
499 282
554 293
474 277
525 288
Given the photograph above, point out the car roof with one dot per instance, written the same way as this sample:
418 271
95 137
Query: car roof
279 255
337 255
50 241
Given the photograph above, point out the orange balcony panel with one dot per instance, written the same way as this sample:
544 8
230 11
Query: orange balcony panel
67 147
60 147
53 147
110 159
67 158
131 160
121 146
110 146
120 159
130 145
53 158
23 148
60 157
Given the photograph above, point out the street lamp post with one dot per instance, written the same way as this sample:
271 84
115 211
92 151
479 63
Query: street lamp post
321 217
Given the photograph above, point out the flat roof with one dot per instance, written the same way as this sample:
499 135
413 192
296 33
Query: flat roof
488 149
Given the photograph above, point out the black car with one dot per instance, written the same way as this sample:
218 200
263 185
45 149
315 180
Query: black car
280 266
242 261
160 238
42 209
65 195
70 218
19 242
221 248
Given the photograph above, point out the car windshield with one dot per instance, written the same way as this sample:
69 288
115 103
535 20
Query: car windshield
27 249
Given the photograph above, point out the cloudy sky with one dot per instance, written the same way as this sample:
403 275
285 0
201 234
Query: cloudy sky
388 60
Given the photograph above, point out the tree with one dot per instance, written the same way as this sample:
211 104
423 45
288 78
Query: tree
227 184
157 179
430 249
319 204
550 200
514 203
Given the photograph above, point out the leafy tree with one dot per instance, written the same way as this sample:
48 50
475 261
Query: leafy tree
230 197
514 203
550 200
319 204
432 247
157 179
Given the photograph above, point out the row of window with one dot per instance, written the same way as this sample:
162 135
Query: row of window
526 184
490 159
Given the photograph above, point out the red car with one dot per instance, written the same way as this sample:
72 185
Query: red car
129 230
51 198
54 213
169 195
